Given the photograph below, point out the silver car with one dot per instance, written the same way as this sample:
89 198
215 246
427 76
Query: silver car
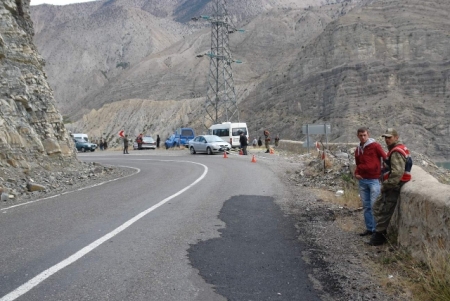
209 144
147 143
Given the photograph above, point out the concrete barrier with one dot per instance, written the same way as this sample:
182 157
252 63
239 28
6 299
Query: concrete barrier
422 218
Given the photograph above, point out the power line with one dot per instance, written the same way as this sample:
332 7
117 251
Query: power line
221 104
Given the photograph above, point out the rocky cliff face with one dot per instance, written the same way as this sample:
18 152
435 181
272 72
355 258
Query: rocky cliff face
386 64
32 134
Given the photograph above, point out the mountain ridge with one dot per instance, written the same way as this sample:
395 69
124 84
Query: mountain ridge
349 63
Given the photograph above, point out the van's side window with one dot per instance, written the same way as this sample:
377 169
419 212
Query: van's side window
236 131
221 132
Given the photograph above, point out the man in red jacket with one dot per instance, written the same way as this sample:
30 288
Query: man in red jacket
368 156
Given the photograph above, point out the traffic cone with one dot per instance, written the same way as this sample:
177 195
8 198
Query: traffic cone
241 152
271 151
225 155
253 159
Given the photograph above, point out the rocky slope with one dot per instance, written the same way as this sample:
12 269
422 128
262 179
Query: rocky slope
384 64
351 63
104 39
31 128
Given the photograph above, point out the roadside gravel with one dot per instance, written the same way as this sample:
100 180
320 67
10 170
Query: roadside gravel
342 261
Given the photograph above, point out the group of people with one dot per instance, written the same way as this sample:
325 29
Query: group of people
244 142
381 176
102 144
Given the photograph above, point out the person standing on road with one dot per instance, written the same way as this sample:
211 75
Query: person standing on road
277 140
368 156
254 142
139 141
397 171
244 143
259 142
267 140
158 141
125 144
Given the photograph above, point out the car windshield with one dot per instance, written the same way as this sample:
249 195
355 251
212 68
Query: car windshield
214 139
148 139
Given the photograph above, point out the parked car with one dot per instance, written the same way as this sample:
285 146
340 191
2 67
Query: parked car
182 136
83 146
209 144
147 143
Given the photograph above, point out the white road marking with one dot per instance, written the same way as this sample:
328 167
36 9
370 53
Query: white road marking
24 288
79 189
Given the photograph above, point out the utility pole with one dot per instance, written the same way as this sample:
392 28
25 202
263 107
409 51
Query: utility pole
221 104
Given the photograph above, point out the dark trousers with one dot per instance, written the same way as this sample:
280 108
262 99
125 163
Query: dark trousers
125 149
384 208
244 149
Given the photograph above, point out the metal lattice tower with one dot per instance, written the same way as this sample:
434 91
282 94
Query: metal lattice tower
220 104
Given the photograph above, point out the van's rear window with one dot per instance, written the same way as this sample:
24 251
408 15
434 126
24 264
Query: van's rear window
187 133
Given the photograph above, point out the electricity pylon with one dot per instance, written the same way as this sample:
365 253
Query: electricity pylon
220 104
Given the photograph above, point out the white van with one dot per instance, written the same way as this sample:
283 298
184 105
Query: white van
229 131
81 137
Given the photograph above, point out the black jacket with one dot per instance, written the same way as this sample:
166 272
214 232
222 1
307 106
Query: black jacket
243 140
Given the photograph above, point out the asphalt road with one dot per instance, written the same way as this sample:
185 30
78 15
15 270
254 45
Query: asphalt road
184 227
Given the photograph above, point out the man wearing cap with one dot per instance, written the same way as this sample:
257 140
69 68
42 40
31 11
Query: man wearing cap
368 157
397 172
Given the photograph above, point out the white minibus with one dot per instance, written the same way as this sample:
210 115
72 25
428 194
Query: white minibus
81 137
229 131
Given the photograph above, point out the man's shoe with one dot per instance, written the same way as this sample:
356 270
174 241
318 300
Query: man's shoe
365 233
267 152
377 239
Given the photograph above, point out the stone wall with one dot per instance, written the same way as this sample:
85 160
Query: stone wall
31 128
423 216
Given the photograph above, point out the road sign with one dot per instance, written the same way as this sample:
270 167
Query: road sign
316 129
121 133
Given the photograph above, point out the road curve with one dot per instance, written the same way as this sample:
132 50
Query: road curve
183 228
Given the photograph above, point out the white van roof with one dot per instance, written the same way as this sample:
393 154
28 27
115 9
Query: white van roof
228 125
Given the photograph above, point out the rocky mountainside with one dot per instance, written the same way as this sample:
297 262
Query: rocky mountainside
384 64
32 135
348 63
104 39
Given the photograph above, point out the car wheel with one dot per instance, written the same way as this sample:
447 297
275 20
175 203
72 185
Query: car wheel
83 149
92 150
209 151
192 150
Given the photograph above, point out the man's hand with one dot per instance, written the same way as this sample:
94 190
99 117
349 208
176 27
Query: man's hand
358 177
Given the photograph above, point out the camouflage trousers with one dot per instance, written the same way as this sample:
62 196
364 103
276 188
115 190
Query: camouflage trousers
384 208
266 143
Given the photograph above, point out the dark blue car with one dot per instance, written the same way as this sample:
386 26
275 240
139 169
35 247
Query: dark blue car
181 137
83 146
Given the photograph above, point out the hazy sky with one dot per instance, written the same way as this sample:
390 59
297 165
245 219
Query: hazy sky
57 2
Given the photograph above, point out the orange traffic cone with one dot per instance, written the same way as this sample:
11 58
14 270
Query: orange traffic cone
253 159
271 151
241 152
225 155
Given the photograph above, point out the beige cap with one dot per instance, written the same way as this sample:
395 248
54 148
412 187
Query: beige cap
390 132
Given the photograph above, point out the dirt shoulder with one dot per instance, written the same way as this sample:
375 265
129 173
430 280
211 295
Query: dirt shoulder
345 267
